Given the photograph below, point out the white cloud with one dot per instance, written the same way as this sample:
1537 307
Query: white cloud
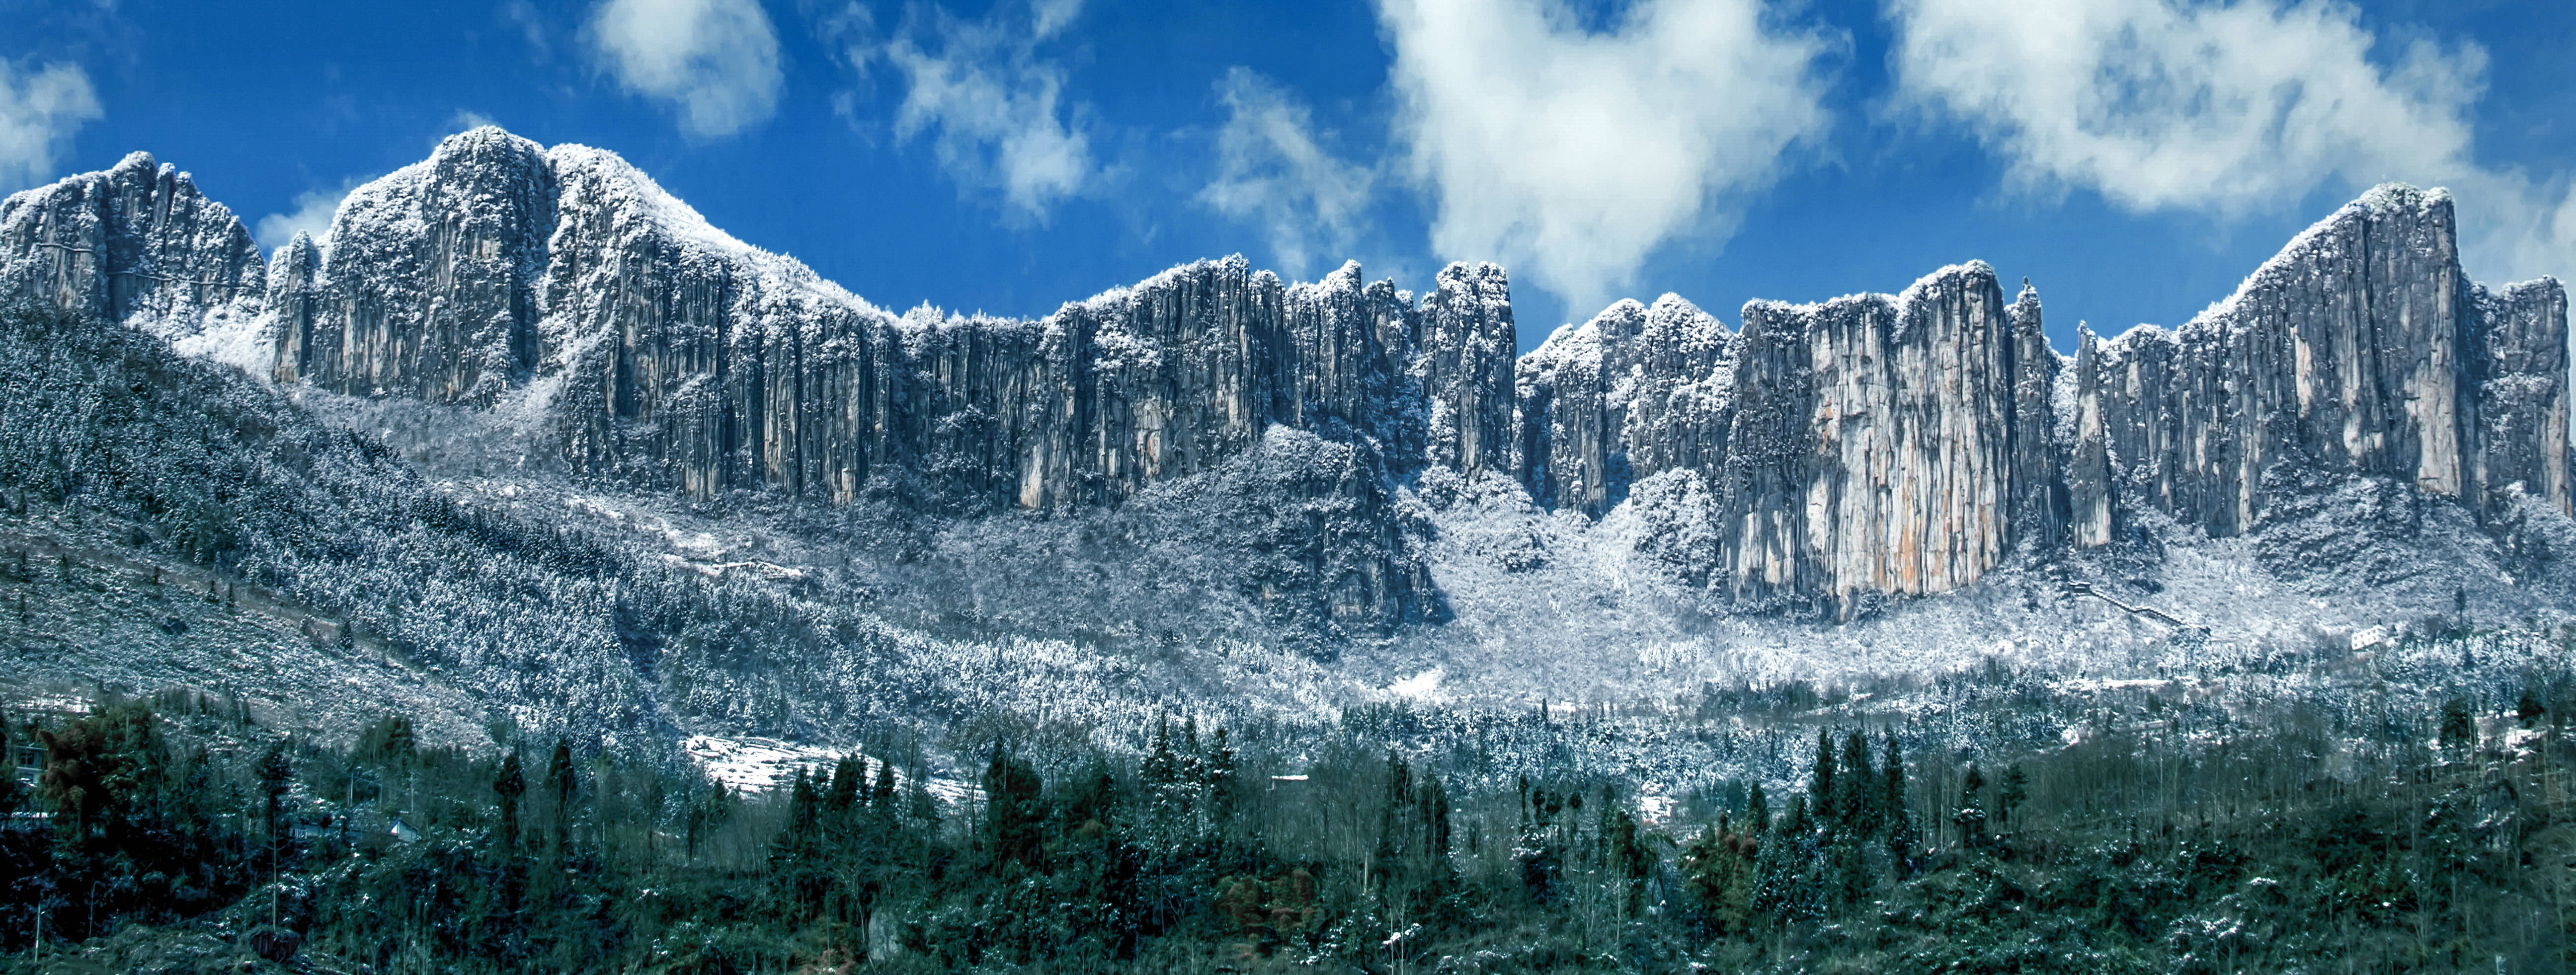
1576 153
2222 109
1273 172
714 60
40 108
312 215
994 108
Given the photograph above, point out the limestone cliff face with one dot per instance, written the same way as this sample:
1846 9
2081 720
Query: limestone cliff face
428 290
137 245
1877 440
2519 364
1465 368
2360 349
1826 455
1633 392
564 284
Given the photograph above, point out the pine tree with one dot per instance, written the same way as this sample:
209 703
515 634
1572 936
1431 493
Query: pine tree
881 799
273 773
1903 837
1786 892
1822 796
560 778
1859 785
1223 784
2016 789
509 784
1161 767
1757 812
1971 816
2459 724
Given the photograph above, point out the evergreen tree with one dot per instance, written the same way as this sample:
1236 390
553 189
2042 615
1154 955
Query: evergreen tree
1014 813
273 773
1161 766
1903 837
2015 790
1786 887
2459 724
1223 782
1717 872
1971 816
509 784
1859 785
563 782
1823 798
1757 812
881 798
849 785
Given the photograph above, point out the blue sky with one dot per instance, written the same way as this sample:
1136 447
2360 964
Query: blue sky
2134 158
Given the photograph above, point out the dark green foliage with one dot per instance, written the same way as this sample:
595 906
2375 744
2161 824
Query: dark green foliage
2459 724
2420 859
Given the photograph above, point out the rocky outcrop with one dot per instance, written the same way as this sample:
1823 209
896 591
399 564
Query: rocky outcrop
1465 366
428 290
137 245
564 284
1826 455
1877 442
1633 392
2518 361
2360 349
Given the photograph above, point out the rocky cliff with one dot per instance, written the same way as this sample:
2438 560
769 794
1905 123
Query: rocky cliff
1910 443
2360 349
1832 453
137 245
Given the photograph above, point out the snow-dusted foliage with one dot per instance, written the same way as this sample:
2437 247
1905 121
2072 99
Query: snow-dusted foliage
531 447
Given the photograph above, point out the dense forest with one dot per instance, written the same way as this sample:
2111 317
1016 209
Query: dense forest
178 834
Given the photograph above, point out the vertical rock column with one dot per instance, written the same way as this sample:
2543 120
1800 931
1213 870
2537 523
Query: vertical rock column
136 244
2039 497
2520 365
2083 437
293 302
1872 447
1464 366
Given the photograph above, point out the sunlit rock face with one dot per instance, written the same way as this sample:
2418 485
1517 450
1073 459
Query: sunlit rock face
2360 349
1635 391
137 245
1823 456
1877 441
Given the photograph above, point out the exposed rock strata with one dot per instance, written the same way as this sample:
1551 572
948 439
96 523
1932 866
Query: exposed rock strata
2360 349
138 245
1828 454
1876 442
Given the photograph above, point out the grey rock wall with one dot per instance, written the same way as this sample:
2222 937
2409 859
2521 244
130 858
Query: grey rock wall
2360 349
136 244
1826 455
2519 364
1874 443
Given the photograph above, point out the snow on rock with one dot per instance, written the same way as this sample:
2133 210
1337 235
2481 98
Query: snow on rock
139 246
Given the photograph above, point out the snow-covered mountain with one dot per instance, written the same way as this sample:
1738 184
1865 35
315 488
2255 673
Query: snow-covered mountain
1872 445
1216 484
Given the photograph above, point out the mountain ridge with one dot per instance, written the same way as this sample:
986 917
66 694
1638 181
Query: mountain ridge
1851 450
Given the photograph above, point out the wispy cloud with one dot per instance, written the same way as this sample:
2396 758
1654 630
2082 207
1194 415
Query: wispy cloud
312 216
1273 172
1577 153
716 61
40 108
2221 109
993 109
